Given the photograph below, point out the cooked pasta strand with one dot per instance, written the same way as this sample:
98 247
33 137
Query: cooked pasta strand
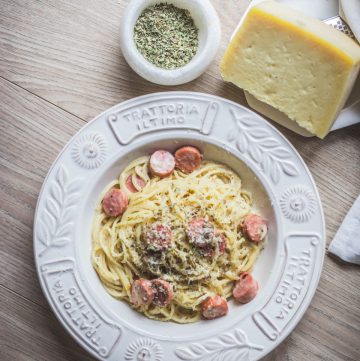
119 254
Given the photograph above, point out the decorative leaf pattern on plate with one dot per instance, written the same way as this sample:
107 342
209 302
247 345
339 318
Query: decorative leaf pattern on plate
262 147
56 222
228 347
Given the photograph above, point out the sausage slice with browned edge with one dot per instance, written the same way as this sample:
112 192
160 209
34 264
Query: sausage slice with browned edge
163 292
115 202
158 237
142 292
222 241
140 183
161 163
188 159
255 227
214 307
245 288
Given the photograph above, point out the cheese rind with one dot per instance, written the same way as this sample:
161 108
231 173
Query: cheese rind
293 62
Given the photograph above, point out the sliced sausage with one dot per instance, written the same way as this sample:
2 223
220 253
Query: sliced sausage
200 232
115 202
161 163
255 227
245 288
163 292
188 159
221 240
207 251
140 184
142 292
214 307
158 237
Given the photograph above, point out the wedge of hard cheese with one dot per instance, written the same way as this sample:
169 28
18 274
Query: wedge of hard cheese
293 62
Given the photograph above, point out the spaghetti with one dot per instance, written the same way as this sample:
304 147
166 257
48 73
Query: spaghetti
120 255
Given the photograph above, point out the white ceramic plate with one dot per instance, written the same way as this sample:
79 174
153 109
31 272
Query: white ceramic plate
284 192
321 9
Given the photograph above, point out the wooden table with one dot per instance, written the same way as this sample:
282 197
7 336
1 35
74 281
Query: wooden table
60 65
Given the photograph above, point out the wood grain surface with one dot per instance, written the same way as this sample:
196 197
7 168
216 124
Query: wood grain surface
60 65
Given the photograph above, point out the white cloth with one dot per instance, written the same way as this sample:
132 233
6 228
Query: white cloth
350 11
346 243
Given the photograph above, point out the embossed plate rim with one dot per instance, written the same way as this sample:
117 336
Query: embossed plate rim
313 281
